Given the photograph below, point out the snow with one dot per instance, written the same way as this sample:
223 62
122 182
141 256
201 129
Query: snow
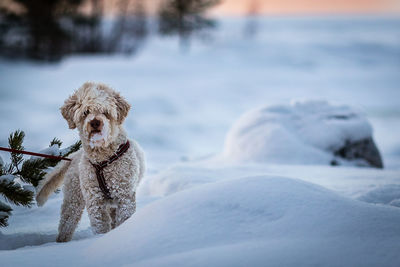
247 221
304 132
181 97
16 180
386 194
53 150
351 182
222 218
198 209
9 178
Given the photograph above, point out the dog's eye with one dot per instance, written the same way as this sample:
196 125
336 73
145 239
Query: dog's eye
86 113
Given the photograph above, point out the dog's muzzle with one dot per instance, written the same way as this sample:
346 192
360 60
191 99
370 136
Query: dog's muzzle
95 124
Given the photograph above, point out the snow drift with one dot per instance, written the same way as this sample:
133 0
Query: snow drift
249 221
307 132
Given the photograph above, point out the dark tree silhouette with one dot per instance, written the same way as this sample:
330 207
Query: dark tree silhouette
185 17
40 24
130 29
50 29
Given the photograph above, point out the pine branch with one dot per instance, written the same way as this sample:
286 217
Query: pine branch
15 141
15 194
32 170
3 219
55 141
2 170
49 163
5 212
73 148
6 169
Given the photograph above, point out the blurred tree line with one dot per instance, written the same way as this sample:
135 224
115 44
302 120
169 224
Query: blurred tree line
48 30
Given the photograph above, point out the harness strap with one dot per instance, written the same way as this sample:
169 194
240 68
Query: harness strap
99 167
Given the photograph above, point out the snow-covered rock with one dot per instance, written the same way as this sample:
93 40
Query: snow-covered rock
304 132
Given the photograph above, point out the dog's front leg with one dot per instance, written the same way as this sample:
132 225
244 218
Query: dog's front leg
71 209
99 215
96 204
126 207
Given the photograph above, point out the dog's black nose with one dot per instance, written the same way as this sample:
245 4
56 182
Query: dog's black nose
95 124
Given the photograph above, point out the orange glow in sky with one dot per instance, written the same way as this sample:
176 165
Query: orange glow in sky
269 7
241 7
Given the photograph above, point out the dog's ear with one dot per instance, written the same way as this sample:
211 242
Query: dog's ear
68 110
123 107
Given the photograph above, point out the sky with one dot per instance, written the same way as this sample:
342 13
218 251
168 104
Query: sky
287 7
276 7
242 7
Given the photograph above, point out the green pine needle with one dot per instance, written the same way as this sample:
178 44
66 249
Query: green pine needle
32 170
73 148
5 212
15 141
15 194
55 141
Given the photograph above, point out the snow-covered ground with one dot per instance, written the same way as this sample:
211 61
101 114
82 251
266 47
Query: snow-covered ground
194 208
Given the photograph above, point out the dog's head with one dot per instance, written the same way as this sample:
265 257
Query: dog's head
97 111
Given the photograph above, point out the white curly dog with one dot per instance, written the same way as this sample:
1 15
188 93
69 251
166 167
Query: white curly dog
104 173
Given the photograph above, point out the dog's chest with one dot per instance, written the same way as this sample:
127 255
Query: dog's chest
117 177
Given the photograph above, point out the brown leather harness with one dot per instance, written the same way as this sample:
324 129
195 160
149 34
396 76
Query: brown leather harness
99 167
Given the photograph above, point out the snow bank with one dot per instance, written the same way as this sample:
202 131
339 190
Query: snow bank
348 181
386 194
250 221
305 132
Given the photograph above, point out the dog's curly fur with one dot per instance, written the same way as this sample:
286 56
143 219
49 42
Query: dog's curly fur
98 112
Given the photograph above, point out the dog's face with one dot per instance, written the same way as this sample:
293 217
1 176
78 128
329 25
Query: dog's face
97 111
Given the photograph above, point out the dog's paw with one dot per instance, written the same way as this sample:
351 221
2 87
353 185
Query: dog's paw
62 238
